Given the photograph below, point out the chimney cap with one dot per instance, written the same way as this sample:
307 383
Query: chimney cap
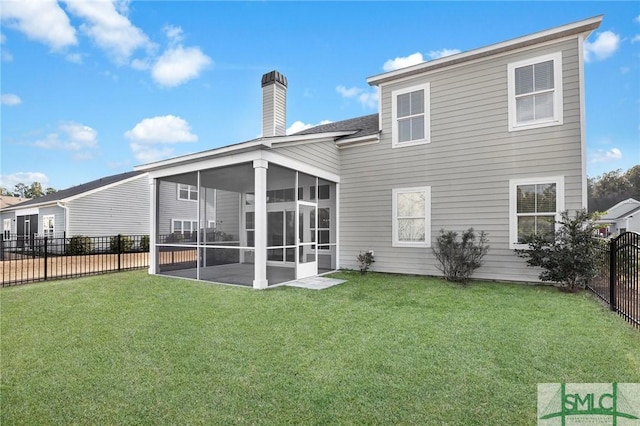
274 77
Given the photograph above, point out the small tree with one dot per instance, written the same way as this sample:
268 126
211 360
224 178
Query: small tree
571 257
459 258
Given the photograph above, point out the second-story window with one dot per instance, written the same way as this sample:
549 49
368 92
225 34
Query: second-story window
535 92
411 118
187 192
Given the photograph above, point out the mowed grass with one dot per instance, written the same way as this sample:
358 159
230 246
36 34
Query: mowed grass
130 348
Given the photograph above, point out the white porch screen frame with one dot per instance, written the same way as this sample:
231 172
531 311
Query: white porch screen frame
415 212
407 108
513 205
535 95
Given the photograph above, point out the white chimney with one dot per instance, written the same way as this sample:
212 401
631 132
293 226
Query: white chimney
274 104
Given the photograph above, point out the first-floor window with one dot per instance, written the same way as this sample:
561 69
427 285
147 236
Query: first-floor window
6 229
184 227
535 207
412 217
48 225
187 192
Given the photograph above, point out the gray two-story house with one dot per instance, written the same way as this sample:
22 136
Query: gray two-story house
492 138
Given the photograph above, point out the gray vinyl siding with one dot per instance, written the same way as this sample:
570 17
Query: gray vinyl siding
58 220
324 155
228 213
119 209
467 164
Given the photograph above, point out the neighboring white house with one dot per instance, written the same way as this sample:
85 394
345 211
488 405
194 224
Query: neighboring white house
492 138
111 205
624 216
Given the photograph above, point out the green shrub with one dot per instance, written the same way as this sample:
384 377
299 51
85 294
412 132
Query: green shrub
126 242
571 257
144 243
459 258
79 244
365 260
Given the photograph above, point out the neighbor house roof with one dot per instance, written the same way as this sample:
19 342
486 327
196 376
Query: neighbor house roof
621 210
8 201
74 191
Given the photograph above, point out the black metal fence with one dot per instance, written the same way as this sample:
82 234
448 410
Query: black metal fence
618 281
26 260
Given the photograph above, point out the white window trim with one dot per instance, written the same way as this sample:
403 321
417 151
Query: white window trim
557 118
513 217
427 221
427 116
45 232
190 189
6 230
182 221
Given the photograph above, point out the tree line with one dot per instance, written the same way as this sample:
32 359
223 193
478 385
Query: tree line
610 188
34 190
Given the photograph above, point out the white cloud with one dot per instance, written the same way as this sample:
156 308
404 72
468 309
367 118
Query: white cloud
40 20
109 29
178 65
637 19
403 61
162 129
9 181
149 154
10 99
70 137
3 39
605 44
174 34
368 99
150 137
299 126
602 156
636 38
435 54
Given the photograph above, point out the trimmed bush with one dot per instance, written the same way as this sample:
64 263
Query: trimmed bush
365 260
144 243
126 243
459 258
79 244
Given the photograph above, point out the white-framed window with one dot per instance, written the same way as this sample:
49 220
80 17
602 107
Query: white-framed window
185 227
534 207
411 116
6 229
535 92
412 217
187 192
48 225
249 224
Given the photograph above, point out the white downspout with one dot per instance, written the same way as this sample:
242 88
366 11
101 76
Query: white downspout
66 216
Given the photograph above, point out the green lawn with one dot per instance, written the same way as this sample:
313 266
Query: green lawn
130 348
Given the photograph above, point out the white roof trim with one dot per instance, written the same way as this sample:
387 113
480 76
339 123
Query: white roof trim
580 27
362 140
257 143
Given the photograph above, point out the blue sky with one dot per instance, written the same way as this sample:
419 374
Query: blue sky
91 89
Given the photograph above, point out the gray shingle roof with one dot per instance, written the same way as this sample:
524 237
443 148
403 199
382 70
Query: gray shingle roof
78 189
363 126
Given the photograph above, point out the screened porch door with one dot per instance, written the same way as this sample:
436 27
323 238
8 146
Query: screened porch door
306 259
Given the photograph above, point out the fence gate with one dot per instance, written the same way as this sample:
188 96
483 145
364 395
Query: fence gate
618 282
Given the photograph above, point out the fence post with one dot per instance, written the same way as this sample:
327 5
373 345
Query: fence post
45 257
119 250
612 273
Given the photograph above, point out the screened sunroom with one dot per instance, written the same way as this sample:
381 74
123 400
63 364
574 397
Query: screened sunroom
254 223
